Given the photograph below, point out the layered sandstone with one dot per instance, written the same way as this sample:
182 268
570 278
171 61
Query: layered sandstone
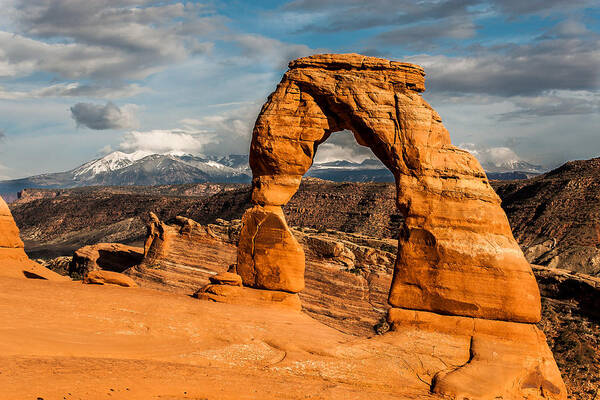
348 276
100 341
13 260
183 255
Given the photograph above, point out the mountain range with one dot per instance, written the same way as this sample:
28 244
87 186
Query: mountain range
143 168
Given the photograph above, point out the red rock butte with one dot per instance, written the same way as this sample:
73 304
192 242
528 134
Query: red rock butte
458 270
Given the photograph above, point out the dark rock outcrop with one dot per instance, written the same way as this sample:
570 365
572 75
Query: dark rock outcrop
556 216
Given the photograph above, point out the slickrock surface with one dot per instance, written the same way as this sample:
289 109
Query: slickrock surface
104 256
107 342
348 277
183 256
353 299
13 260
556 216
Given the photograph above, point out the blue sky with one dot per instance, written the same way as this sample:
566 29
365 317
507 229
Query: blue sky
511 79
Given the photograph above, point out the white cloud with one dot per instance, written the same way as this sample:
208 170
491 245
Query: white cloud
516 70
491 155
3 171
342 146
166 141
499 159
231 130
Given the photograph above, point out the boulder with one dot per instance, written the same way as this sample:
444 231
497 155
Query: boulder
226 278
249 296
106 256
100 277
485 359
267 242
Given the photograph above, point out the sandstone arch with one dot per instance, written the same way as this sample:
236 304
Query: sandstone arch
461 282
457 255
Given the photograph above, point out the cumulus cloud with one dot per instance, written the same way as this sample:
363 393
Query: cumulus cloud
510 70
515 8
166 141
342 146
341 15
230 130
101 117
554 103
351 15
426 36
3 170
495 159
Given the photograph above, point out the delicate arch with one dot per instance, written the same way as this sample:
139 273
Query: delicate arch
456 256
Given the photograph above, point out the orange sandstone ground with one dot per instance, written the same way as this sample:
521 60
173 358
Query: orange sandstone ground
108 342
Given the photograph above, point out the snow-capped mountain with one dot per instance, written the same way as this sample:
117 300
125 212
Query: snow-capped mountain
139 168
145 168
502 162
111 162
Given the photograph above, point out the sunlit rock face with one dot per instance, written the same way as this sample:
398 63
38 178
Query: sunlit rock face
13 260
457 254
457 263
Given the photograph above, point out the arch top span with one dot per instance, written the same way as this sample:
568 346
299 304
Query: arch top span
457 255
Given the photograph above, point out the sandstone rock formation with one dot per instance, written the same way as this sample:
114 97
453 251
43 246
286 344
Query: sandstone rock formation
347 275
225 292
183 255
13 260
495 359
105 256
100 277
266 241
457 259
457 253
